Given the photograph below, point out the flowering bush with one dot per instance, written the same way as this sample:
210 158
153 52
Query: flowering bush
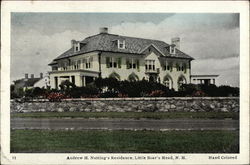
56 96
156 93
199 94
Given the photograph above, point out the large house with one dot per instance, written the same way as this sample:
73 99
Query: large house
124 58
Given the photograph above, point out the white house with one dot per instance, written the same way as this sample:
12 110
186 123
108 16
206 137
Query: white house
44 81
125 58
204 79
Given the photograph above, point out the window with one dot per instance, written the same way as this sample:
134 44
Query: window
121 44
138 65
185 68
178 68
75 65
170 67
129 63
150 64
108 62
77 47
65 66
172 49
133 64
88 62
113 62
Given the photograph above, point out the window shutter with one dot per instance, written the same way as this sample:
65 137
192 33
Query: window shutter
127 63
119 62
107 62
138 65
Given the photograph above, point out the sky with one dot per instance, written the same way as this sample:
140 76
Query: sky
211 39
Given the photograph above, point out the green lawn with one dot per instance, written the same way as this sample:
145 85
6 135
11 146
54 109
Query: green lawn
99 141
136 115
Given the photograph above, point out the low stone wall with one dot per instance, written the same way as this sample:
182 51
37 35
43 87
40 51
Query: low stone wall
170 104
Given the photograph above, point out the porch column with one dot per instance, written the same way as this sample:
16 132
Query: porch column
70 79
52 82
83 81
78 81
214 81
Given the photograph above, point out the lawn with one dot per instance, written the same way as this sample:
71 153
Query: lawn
100 141
136 115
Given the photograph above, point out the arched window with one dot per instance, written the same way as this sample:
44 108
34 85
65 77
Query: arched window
167 81
133 77
181 81
115 75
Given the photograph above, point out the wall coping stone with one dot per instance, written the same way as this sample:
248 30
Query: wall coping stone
133 99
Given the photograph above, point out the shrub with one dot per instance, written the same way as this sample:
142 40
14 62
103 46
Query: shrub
228 91
66 85
157 93
78 92
188 89
111 83
199 93
56 96
109 94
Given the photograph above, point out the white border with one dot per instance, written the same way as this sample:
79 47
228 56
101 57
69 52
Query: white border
241 7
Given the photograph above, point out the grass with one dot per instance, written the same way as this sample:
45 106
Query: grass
99 141
136 115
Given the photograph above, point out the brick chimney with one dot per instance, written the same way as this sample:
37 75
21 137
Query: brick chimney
41 75
103 30
32 76
176 42
26 75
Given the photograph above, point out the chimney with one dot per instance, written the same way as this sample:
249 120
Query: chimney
41 75
26 75
73 43
176 42
32 76
103 30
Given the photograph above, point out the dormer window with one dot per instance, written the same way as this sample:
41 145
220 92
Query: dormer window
77 47
172 49
121 44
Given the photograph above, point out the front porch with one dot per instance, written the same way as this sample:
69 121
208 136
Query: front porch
77 77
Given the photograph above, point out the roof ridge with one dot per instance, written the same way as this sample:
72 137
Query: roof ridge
143 38
124 36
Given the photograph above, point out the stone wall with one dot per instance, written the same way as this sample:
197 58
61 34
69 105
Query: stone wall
170 104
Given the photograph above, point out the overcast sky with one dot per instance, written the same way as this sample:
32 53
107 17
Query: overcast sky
212 39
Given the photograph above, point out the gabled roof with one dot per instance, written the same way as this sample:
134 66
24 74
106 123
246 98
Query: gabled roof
107 42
